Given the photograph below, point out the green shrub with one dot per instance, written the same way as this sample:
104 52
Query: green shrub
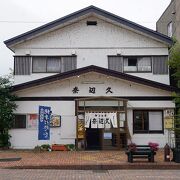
45 147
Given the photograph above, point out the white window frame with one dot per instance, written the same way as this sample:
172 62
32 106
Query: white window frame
170 29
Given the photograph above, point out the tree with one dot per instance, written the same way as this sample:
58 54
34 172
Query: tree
7 106
174 62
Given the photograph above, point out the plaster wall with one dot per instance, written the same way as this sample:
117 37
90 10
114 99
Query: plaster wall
92 46
100 82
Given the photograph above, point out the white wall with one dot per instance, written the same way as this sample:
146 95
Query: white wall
66 134
92 45
28 138
99 81
145 138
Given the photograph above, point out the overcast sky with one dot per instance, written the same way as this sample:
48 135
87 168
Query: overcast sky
19 16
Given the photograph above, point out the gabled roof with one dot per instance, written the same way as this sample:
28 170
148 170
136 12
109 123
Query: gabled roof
96 69
82 12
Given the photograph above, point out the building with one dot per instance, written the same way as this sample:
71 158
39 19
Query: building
169 22
105 79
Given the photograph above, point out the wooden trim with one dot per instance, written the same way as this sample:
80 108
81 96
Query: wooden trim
72 98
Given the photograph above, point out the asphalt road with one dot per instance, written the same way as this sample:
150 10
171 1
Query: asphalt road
6 174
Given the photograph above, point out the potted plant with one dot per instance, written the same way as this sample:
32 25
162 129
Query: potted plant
132 147
153 146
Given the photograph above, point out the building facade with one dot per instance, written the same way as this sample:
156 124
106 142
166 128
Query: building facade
105 78
169 22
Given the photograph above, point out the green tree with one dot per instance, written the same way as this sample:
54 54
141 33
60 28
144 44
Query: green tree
7 106
174 62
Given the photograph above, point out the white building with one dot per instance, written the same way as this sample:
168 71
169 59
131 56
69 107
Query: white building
88 64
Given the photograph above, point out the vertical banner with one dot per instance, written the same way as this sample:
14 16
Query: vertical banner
87 120
81 130
44 123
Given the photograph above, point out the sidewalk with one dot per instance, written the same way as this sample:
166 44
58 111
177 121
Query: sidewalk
80 160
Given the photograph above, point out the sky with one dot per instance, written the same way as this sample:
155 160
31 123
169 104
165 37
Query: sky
19 16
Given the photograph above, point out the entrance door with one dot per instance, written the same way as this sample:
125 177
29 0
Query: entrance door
93 139
110 139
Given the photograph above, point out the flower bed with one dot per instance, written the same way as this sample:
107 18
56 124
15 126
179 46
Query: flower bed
59 147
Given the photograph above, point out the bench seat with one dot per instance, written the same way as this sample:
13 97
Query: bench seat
141 151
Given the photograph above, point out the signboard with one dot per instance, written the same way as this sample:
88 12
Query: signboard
168 123
44 123
101 120
108 135
55 121
80 130
32 121
168 118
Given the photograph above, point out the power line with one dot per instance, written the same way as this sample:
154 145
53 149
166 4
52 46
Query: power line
23 22
38 22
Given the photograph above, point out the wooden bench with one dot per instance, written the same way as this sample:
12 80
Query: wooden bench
141 151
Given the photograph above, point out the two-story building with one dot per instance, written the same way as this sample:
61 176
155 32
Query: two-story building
105 78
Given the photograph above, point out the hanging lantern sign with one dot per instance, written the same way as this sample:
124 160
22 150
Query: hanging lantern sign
101 120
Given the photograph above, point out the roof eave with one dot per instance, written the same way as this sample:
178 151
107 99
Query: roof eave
93 9
97 69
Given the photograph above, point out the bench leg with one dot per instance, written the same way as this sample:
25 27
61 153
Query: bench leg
151 158
130 158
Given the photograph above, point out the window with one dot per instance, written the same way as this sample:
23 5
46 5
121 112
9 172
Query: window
19 121
137 64
160 65
115 63
39 64
169 29
132 61
22 65
53 64
147 121
91 23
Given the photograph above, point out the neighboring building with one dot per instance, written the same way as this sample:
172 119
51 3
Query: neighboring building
169 22
106 77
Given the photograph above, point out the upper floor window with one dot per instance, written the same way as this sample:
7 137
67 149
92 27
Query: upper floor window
130 64
169 29
154 64
43 64
137 64
53 64
22 65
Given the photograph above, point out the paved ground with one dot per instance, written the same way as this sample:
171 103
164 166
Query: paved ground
86 160
89 175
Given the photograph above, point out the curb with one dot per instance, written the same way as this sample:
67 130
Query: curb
10 159
100 167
